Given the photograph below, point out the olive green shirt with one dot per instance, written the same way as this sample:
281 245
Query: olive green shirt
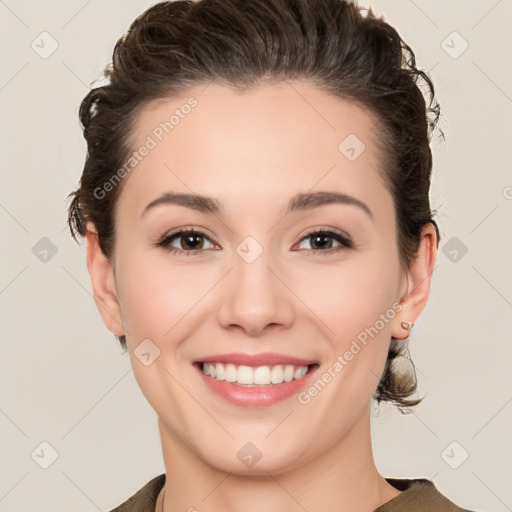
417 496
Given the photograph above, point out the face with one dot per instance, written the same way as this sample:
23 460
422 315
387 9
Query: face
265 278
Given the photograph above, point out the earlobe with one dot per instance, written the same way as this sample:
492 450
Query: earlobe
103 283
419 276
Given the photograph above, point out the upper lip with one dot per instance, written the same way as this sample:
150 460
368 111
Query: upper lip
263 359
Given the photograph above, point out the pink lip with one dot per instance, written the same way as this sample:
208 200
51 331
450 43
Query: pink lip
245 396
263 359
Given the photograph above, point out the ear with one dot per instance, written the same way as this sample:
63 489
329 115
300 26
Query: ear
417 282
103 283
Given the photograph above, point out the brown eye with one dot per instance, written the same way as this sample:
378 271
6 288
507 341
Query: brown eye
190 241
187 241
324 241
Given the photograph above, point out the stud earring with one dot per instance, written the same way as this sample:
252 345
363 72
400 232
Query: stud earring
407 325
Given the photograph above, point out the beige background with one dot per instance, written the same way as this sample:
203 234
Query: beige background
63 378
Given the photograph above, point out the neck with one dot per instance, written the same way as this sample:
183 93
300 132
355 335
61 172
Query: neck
345 474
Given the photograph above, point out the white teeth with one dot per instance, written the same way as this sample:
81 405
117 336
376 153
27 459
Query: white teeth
219 370
276 375
288 373
254 376
230 373
261 375
244 375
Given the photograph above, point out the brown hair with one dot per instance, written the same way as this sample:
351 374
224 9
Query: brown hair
341 48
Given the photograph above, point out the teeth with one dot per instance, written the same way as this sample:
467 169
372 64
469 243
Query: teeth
229 372
219 370
276 375
288 373
258 376
261 375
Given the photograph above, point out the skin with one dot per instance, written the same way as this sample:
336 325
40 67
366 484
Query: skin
253 151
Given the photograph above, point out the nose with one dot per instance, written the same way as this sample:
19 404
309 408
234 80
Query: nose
256 297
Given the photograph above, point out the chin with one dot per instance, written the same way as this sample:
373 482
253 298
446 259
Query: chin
250 459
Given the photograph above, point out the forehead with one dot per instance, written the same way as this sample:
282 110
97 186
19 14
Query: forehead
215 140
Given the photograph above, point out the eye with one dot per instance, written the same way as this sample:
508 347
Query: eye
190 241
323 240
187 241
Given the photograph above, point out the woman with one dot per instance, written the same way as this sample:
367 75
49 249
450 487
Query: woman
255 202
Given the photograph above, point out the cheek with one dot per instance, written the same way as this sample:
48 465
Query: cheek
357 310
155 296
357 303
157 302
351 296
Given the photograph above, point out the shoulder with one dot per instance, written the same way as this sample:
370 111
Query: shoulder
418 495
144 500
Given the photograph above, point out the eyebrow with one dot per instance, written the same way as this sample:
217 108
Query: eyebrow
299 202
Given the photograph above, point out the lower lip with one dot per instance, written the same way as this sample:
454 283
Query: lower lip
257 396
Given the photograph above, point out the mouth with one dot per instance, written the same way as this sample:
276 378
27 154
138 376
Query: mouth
255 376
255 380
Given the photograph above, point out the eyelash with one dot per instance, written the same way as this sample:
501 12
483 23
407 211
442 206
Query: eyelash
344 240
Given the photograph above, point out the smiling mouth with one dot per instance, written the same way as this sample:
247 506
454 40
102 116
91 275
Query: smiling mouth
255 376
